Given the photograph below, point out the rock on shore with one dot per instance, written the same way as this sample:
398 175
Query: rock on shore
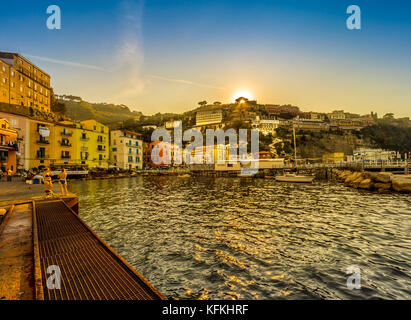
381 181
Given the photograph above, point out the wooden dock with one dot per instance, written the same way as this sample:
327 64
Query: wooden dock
47 252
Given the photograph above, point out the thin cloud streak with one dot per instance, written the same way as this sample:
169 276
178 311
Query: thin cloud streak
67 63
191 83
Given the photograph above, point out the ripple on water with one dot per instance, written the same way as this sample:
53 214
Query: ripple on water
207 238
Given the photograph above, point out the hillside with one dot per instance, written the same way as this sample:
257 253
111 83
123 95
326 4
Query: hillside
106 113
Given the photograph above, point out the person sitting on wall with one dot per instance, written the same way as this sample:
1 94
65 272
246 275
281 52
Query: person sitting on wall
48 184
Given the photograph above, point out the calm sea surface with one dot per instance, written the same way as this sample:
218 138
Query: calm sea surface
239 238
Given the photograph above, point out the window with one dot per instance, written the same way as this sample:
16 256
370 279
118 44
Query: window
12 73
21 89
29 84
4 80
13 84
130 158
4 68
114 149
130 151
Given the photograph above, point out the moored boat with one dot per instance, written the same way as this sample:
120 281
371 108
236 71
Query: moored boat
295 178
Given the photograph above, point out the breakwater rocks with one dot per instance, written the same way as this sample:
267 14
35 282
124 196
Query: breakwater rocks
380 181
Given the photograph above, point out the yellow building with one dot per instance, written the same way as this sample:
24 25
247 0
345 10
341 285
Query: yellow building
333 157
64 144
41 143
91 140
23 83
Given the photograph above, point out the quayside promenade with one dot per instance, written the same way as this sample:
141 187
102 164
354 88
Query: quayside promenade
40 233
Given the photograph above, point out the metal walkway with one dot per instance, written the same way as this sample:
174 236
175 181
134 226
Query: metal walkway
90 269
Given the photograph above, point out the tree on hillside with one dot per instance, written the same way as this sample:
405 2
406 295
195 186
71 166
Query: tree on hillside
202 103
388 136
55 105
216 103
388 116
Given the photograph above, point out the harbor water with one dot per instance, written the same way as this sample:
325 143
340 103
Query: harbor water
242 238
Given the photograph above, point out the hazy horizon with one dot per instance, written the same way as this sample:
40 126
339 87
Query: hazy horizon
164 56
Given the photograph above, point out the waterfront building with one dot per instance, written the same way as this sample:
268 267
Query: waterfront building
217 152
209 116
40 140
64 144
373 155
126 150
158 154
333 157
22 125
91 140
23 83
8 147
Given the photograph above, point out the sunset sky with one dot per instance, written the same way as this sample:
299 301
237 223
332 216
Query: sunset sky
165 56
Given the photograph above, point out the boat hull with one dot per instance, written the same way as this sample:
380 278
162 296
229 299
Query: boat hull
297 179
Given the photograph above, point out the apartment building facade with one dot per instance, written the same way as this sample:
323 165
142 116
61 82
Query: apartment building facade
126 150
8 146
91 140
23 83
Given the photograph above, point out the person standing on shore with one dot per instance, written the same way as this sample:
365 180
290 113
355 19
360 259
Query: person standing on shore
48 185
63 182
9 175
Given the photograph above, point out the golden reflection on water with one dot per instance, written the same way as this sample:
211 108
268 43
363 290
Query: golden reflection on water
206 238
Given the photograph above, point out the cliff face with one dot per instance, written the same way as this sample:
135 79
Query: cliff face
314 145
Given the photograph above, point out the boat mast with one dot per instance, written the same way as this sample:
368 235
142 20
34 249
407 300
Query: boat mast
295 148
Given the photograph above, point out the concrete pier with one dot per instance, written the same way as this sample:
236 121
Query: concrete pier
44 237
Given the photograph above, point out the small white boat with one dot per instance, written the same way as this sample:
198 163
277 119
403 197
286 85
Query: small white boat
184 175
295 178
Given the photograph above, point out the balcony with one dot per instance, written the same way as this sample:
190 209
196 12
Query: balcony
101 149
66 134
84 148
84 139
65 144
43 141
67 156
42 156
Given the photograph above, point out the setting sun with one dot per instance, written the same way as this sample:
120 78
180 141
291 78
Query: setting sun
242 93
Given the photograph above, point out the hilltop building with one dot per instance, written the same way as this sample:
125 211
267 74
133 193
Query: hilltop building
277 110
209 116
22 83
126 150
266 126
